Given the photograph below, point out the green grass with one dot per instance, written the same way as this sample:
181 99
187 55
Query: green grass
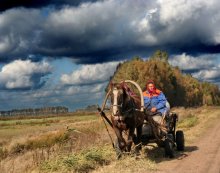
43 121
17 128
25 117
43 141
28 122
84 161
188 122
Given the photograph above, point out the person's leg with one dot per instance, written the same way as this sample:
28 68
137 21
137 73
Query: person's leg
158 118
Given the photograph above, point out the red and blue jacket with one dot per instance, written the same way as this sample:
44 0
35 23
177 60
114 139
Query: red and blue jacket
156 99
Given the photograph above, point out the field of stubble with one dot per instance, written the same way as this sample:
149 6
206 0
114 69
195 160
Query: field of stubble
80 143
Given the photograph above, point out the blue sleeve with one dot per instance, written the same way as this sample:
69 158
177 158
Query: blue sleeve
161 101
146 102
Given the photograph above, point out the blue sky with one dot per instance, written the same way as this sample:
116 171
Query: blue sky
63 52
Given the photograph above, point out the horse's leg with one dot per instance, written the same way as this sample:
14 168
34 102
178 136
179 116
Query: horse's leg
121 141
118 132
138 141
130 137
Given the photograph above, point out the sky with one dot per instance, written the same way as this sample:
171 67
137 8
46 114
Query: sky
63 52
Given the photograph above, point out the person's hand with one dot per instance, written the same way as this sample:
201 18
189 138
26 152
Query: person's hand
153 109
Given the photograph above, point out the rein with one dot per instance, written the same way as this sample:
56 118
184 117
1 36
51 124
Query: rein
117 105
126 111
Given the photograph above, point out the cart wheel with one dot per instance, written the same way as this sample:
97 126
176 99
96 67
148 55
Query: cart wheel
180 142
118 150
168 146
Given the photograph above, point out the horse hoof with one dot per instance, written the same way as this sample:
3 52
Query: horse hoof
137 157
122 145
118 156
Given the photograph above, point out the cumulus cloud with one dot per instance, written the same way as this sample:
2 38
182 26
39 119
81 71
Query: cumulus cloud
70 96
19 30
90 74
190 63
23 74
212 75
203 67
104 30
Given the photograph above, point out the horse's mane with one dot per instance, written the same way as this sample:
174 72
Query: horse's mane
131 93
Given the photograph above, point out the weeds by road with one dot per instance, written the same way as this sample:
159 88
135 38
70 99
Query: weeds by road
81 144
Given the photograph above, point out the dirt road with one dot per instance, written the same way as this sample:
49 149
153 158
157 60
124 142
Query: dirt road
203 156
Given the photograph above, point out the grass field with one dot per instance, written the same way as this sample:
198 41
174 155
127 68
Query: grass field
80 143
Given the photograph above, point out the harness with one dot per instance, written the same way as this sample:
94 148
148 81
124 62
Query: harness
126 113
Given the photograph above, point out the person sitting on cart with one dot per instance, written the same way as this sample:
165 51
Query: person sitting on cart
155 102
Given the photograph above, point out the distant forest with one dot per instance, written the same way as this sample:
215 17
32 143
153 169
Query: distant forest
35 112
179 88
89 108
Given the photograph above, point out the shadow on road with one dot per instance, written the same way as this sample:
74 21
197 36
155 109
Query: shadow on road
156 154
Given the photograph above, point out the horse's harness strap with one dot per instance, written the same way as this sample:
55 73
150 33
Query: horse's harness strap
128 111
120 121
117 105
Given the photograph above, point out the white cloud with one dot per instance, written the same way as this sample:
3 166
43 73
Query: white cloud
187 62
89 74
186 20
180 10
18 30
204 67
23 74
208 75
86 89
102 26
4 44
147 23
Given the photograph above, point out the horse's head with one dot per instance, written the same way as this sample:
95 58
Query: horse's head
118 98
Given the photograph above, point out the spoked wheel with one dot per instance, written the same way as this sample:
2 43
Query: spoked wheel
180 141
168 146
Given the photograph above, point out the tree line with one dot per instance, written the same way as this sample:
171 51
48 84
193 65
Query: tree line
35 112
179 88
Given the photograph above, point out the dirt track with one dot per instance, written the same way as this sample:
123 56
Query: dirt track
203 156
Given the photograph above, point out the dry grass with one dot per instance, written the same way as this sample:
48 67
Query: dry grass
44 141
84 161
189 121
40 140
81 144
45 116
195 121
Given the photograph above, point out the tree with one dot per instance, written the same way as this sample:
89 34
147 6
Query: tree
160 55
180 89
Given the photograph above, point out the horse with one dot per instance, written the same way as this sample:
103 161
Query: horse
125 106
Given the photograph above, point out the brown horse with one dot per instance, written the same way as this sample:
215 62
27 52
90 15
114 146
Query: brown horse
125 106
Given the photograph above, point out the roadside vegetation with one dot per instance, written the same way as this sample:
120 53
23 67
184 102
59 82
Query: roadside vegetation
81 144
84 161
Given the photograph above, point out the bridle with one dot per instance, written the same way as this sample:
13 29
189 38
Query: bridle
121 106
117 105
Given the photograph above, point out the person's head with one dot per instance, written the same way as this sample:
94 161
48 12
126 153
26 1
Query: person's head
151 86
